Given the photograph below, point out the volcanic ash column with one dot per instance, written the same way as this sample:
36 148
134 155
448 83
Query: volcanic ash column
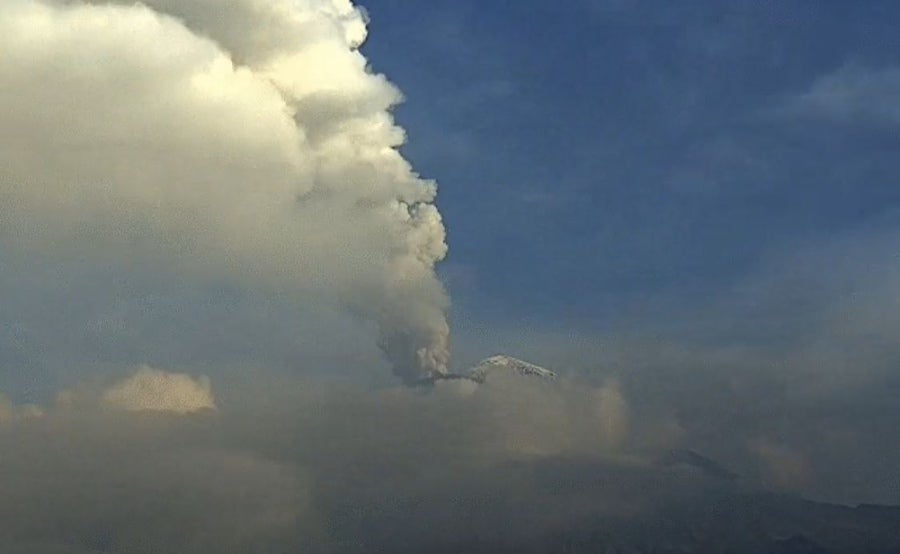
243 140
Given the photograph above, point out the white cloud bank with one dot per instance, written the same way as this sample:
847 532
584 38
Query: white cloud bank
244 141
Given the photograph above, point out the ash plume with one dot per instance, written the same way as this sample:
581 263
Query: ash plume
241 141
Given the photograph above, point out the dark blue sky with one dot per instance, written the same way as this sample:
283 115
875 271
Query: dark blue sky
597 155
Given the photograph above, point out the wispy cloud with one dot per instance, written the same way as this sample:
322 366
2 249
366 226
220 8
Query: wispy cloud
853 92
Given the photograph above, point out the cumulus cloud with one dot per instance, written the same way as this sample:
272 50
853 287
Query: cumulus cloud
244 142
154 390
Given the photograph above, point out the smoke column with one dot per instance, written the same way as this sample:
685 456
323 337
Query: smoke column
244 140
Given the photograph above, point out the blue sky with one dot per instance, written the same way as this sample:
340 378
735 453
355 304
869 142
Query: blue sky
595 156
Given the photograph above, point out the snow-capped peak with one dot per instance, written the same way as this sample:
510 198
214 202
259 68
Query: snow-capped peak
480 372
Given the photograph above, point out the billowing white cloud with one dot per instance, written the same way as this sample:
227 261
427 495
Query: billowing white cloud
154 390
241 141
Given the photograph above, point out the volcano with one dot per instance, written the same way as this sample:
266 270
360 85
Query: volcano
494 365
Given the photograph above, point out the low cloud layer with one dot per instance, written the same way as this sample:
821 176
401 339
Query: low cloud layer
286 463
253 148
290 465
